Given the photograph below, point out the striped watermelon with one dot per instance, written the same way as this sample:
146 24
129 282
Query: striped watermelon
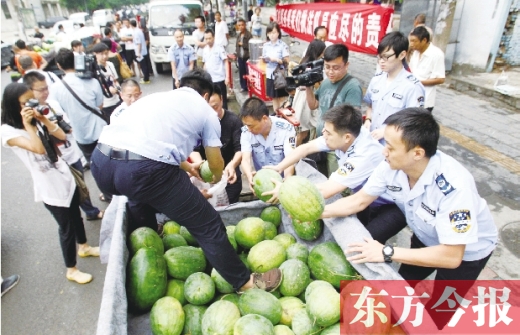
301 199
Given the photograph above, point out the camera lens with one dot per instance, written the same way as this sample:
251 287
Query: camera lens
43 110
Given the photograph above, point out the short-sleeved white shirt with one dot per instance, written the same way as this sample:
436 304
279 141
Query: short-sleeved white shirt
119 109
53 182
128 32
165 126
429 65
273 149
443 207
213 59
199 36
221 29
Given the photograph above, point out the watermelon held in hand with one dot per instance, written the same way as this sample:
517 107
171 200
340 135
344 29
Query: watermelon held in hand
220 318
167 317
301 199
262 182
308 231
146 279
145 237
272 214
205 172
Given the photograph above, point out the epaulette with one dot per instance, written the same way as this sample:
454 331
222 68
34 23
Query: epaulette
413 79
282 125
244 129
443 185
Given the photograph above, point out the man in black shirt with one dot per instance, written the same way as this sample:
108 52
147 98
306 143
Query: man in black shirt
231 126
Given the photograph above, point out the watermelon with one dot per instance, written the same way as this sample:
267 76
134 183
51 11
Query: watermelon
285 239
256 301
171 227
313 285
193 319
230 231
270 230
262 182
322 305
282 330
253 324
145 237
298 251
188 237
167 317
276 293
221 284
199 289
331 330
301 199
205 172
183 261
250 231
327 262
272 214
303 325
231 297
243 258
290 305
147 279
308 231
220 318
175 288
265 256
173 240
296 275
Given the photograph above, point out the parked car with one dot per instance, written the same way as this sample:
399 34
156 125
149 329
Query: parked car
101 17
82 17
49 23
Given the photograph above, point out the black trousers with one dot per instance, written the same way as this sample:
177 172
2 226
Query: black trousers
233 190
144 68
242 71
130 57
71 229
382 222
87 149
152 187
223 89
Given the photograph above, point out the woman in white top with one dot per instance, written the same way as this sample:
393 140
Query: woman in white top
256 23
110 102
53 182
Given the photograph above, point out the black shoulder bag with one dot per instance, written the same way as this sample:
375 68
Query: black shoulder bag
94 111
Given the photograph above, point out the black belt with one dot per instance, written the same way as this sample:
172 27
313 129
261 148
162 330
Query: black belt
119 154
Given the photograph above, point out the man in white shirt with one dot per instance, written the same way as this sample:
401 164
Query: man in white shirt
221 31
216 63
127 36
198 36
426 63
77 47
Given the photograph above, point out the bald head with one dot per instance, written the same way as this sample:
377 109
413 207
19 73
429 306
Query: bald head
179 37
26 62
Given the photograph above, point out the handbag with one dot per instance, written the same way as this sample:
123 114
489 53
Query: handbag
84 193
124 69
279 81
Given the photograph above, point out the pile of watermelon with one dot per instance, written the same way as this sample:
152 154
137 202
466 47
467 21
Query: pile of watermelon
169 277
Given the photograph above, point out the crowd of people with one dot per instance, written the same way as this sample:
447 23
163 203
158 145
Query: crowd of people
388 158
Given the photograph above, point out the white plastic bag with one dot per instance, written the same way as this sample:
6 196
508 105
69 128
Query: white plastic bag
218 191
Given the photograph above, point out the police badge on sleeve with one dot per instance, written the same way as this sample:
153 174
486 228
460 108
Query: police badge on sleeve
345 169
460 220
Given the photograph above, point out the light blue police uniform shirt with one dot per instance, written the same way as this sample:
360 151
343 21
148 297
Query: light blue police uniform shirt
139 39
213 59
278 50
443 207
389 98
272 150
87 126
182 56
164 127
357 163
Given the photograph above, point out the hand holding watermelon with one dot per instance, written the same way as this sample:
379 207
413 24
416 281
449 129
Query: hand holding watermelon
274 193
192 168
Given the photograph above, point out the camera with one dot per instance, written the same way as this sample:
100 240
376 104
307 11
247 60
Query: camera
42 109
61 123
85 66
306 74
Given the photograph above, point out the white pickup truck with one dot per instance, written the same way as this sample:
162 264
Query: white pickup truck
165 17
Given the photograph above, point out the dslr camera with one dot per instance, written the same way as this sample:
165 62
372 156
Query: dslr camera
85 66
42 109
306 74
61 123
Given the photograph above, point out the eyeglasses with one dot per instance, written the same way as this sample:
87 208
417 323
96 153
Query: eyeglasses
44 89
385 57
334 68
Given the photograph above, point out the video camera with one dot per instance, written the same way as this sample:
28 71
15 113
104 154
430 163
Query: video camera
86 67
306 74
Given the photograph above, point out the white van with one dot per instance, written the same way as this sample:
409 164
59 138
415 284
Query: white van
101 17
82 17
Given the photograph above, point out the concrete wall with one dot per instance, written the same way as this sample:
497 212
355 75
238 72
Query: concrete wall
510 43
480 31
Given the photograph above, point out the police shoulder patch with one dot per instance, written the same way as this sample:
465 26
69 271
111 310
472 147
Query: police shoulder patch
460 220
345 169
292 141
443 185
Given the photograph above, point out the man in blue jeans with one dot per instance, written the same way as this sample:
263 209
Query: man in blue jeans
145 160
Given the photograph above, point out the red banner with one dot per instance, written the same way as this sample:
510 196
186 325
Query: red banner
360 27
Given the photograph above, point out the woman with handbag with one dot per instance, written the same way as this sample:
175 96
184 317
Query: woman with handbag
275 54
27 132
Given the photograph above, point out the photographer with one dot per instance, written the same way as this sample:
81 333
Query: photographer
69 149
109 80
23 129
337 89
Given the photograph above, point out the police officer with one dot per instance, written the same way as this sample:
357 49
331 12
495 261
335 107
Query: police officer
453 230
267 139
182 58
358 154
143 158
394 88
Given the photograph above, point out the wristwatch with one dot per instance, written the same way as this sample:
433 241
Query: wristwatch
388 252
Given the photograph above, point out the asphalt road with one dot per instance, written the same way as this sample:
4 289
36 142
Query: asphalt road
45 302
